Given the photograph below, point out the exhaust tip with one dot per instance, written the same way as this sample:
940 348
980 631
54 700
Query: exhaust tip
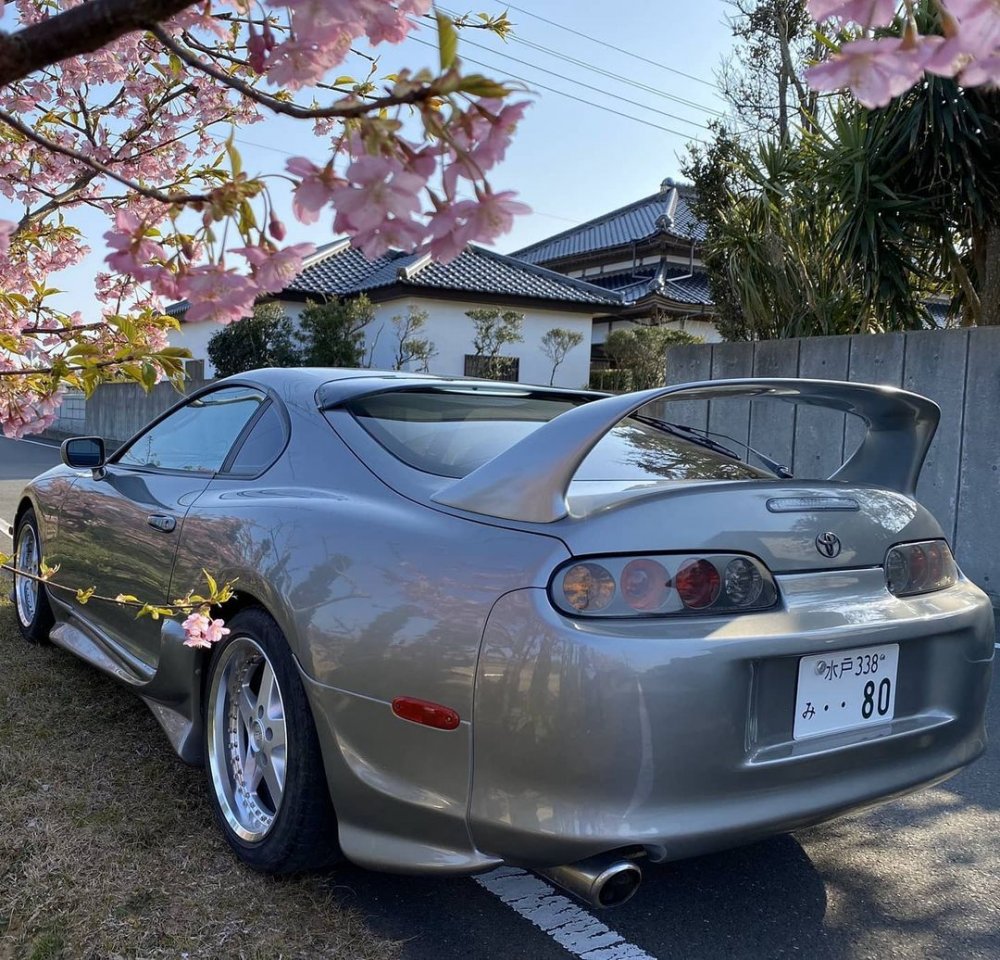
603 881
617 884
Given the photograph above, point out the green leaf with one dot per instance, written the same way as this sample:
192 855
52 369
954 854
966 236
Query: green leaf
480 86
447 40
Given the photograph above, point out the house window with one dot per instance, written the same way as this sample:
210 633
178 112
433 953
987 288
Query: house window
493 368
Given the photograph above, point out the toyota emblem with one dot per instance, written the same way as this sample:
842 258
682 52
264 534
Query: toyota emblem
828 544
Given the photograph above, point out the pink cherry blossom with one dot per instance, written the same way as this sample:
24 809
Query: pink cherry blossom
494 215
450 231
215 631
7 227
273 271
217 294
201 631
133 253
315 189
874 70
971 48
868 13
378 205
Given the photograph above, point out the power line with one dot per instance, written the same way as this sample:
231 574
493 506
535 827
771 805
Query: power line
593 68
611 46
639 85
569 96
580 83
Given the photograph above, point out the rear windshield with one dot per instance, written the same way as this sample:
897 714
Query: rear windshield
450 433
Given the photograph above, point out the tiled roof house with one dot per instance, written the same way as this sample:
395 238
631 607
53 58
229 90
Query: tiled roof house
397 282
647 252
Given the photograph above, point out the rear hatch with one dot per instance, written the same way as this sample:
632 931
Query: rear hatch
789 526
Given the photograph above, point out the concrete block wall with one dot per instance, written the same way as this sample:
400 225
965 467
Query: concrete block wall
72 415
115 411
958 369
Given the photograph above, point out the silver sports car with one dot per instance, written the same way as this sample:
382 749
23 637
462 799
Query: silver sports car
481 623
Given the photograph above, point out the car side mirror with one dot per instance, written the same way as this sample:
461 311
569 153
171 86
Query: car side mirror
83 453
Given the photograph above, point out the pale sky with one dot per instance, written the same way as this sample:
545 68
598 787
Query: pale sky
571 160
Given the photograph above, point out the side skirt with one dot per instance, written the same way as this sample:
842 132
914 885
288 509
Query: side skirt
172 690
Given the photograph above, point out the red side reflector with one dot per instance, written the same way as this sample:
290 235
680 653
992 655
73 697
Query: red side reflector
425 712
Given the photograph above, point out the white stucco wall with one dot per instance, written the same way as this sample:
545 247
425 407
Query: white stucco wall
195 337
451 332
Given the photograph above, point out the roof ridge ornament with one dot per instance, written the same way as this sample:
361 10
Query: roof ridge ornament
411 270
665 221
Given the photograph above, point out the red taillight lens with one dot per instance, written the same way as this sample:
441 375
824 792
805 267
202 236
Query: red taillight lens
644 584
698 584
664 585
913 568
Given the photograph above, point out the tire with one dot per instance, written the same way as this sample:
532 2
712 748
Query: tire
31 601
283 822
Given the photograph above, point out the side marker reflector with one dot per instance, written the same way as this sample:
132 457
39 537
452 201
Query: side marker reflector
423 711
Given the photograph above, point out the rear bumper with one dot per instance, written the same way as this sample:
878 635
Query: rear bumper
677 736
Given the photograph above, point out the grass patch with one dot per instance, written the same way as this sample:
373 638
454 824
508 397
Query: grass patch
107 845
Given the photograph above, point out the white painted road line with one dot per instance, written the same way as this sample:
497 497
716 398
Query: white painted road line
5 525
39 443
569 924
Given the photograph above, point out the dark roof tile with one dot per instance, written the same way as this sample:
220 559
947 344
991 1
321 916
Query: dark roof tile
667 212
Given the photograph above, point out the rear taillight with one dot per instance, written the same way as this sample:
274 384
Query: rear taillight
663 585
924 567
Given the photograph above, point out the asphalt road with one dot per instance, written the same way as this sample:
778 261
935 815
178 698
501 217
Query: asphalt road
917 878
20 460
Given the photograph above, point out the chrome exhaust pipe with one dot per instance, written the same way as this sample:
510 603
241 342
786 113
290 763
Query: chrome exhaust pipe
601 881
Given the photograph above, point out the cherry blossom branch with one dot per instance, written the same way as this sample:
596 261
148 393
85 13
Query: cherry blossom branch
41 371
81 29
338 110
150 192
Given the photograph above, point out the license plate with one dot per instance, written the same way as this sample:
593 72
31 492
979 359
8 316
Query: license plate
845 689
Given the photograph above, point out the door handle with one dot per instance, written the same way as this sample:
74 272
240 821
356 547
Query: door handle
161 522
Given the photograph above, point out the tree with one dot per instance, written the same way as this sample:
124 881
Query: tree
332 334
264 339
762 76
556 343
127 107
494 329
921 66
642 351
410 346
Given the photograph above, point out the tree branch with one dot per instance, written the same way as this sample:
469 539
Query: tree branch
97 166
81 29
341 110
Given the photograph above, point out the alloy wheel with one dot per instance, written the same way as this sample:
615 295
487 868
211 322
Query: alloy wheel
246 739
26 589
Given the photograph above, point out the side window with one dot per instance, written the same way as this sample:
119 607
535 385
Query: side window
199 436
263 444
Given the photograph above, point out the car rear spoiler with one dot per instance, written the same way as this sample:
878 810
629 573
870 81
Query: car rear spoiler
530 480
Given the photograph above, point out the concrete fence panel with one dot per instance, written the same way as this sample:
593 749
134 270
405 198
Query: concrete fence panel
819 434
772 423
978 508
934 365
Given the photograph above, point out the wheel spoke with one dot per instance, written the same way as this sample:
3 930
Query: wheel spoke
275 780
252 772
267 691
246 705
277 737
